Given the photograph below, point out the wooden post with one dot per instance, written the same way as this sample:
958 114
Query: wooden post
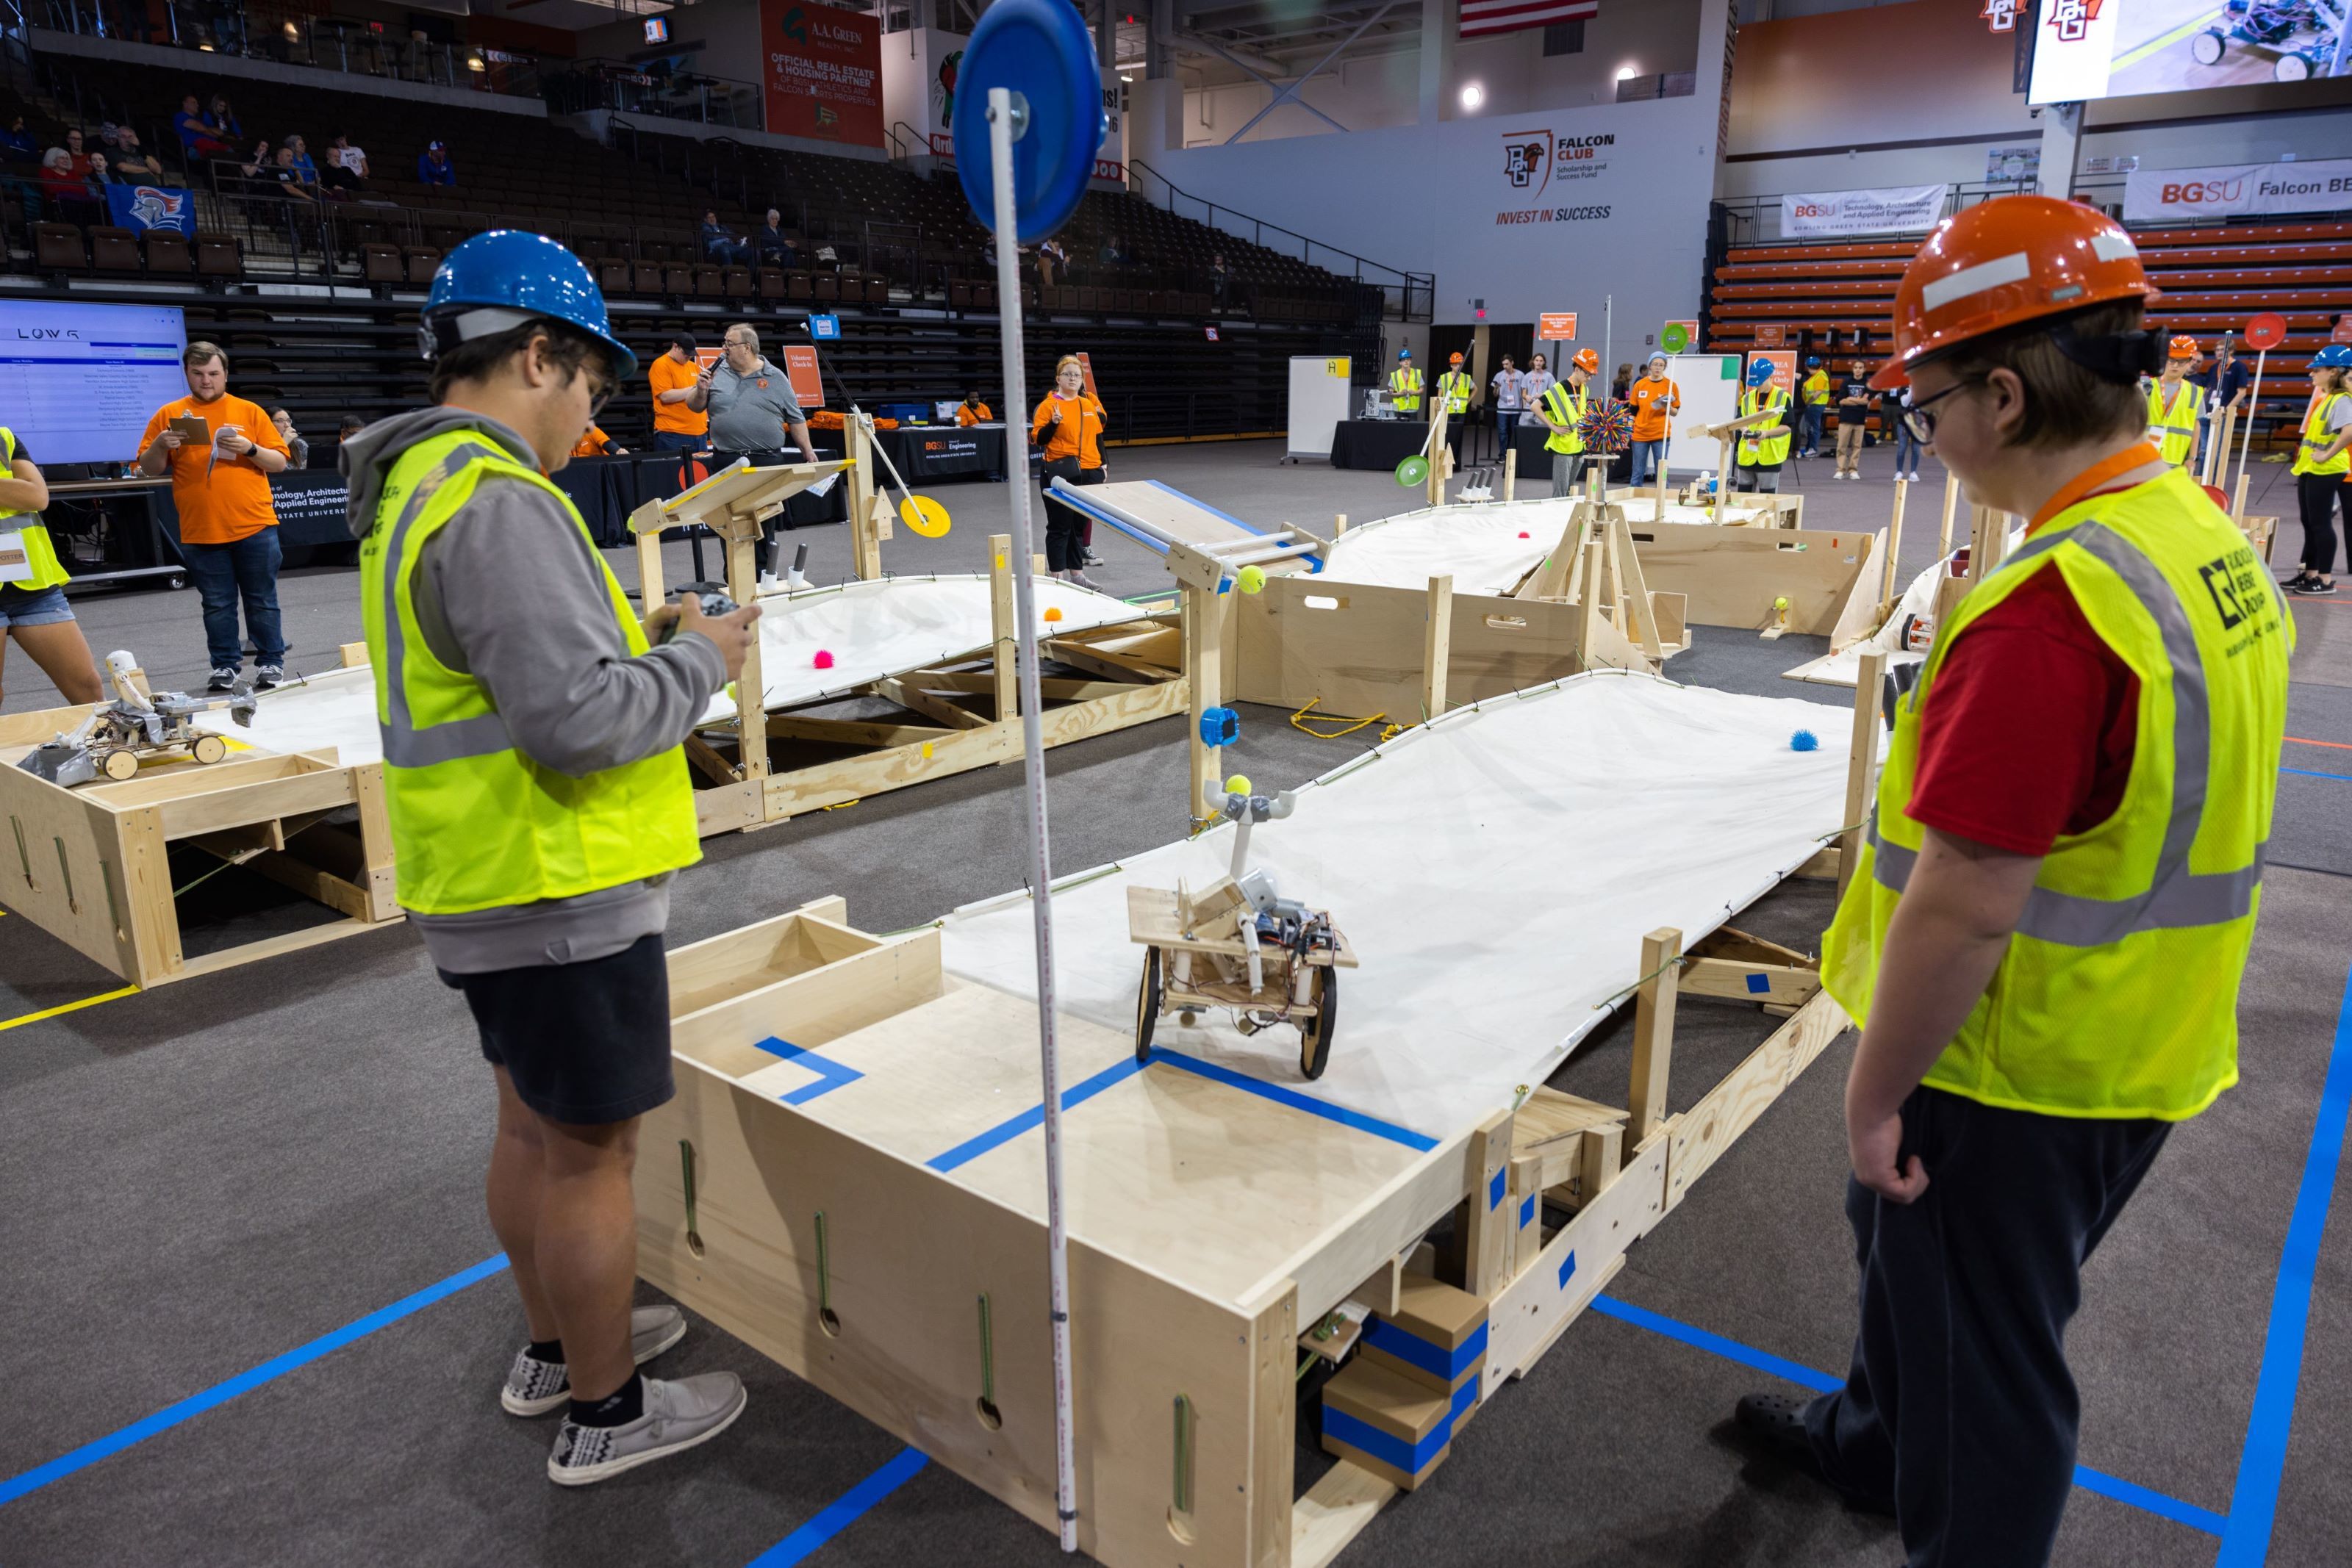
1984 541
1487 1251
1587 605
1868 693
1004 629
1511 474
865 532
1722 482
1893 547
1436 646
1951 503
1203 636
1339 524
1664 442
1634 588
751 692
2238 506
652 589
1653 1033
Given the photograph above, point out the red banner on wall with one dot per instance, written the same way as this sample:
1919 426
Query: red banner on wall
823 72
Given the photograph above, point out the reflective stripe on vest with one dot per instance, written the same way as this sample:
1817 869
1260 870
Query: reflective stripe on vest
40 554
2317 438
2174 429
1405 388
1456 389
1566 408
404 745
1757 452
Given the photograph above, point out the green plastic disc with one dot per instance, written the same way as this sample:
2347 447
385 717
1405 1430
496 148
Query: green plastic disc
1674 340
1414 470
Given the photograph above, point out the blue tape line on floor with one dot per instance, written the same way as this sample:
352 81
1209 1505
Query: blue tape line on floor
2089 1480
1294 1100
2253 1498
1011 1127
843 1511
219 1394
830 1074
2308 773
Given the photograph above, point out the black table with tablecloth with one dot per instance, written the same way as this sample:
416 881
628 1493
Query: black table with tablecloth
1382 443
928 453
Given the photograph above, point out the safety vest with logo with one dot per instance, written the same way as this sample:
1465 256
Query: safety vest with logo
2317 438
1567 409
2118 995
1817 391
476 823
2173 428
1404 389
1762 452
1455 388
41 566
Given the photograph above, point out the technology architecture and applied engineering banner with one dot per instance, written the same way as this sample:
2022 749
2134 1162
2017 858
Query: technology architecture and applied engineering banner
1892 209
823 72
2321 185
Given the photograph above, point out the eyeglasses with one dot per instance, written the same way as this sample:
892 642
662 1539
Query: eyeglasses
600 393
1919 419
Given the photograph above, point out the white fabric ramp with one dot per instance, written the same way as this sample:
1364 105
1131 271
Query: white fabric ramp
871 629
1496 871
1844 667
1487 546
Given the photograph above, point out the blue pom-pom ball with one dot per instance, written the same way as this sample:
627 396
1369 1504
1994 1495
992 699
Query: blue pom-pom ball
1804 740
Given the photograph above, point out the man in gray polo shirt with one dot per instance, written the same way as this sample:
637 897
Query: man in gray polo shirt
751 407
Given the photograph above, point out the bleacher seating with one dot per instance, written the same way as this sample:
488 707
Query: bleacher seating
2213 279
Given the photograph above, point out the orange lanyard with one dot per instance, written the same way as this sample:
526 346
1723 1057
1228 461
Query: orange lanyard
2090 479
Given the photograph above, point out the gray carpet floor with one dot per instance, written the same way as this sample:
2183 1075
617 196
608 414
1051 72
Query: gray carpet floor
204 1178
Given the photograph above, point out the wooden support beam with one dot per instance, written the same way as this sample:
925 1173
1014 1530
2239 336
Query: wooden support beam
864 529
1633 587
1334 1512
1486 1252
1201 626
1869 682
1654 1031
1951 503
708 761
1104 663
1588 619
652 590
1699 1136
1436 646
750 691
1599 1154
1004 630
914 700
1511 475
1732 979
853 731
1822 867
1893 550
1339 524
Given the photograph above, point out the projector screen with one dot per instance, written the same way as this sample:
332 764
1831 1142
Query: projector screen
2124 49
78 382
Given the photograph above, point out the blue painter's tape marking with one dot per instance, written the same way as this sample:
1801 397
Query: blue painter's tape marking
2253 1498
1011 1127
2310 773
843 1511
219 1394
1389 1449
1758 985
1526 1210
1495 1190
1568 1269
1079 504
1822 1383
1419 1353
830 1074
1294 1100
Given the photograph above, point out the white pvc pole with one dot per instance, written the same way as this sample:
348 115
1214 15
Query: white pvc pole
1032 751
2254 397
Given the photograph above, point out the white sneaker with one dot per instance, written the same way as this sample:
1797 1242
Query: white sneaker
679 1416
535 1388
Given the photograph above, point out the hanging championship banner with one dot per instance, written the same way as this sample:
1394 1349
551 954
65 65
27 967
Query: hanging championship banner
1895 208
823 72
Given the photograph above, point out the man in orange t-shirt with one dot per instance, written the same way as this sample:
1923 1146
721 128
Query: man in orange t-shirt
229 524
596 444
1655 399
676 427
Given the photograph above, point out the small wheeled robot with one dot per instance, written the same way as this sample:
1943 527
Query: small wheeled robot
136 725
1239 944
2300 36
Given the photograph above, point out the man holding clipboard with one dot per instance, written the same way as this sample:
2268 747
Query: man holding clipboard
220 452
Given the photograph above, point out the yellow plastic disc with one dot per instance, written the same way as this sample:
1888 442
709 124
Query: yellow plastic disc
1238 784
925 515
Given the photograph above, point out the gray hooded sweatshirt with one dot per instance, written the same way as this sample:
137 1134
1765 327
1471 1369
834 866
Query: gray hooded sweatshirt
510 591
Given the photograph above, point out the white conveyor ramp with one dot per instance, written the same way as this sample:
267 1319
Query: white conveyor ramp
1844 667
1496 870
873 630
1489 547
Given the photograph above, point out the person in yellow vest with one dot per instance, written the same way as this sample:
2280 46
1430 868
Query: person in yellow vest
2320 471
1815 391
539 809
2044 931
1404 384
33 608
1763 448
1455 387
1562 408
2172 403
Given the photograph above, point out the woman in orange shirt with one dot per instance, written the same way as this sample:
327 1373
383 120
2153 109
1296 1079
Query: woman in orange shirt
973 411
1655 399
1068 426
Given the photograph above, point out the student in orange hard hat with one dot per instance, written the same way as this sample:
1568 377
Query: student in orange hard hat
1455 387
1562 409
2045 929
2172 403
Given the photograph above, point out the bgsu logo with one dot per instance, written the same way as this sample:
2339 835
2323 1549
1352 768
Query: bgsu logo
2193 190
1527 160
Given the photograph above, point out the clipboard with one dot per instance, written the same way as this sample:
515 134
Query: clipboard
192 429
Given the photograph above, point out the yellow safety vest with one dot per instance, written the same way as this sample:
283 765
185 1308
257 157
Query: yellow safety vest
1566 408
1817 391
2117 996
2174 429
476 823
2317 438
40 555
1455 386
1404 389
1755 453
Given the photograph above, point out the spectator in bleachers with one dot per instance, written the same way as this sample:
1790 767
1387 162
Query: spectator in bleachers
300 150
723 245
297 451
1110 255
68 192
672 375
290 178
775 244
1052 262
1221 280
17 143
133 163
433 168
222 120
258 164
77 152
352 161
198 139
102 174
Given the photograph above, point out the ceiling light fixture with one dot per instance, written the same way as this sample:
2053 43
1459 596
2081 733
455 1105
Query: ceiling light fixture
1473 95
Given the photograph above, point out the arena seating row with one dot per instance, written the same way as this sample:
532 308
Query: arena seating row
2213 279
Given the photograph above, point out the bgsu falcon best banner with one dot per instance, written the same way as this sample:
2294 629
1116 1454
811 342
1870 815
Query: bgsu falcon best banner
823 72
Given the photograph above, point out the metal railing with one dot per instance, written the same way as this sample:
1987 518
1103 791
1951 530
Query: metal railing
581 85
290 33
1756 220
1411 296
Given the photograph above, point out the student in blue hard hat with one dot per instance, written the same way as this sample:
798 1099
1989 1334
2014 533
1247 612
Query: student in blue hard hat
1763 448
2323 462
539 805
1404 384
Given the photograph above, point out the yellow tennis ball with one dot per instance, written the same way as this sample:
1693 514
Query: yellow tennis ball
1251 578
1238 784
1780 603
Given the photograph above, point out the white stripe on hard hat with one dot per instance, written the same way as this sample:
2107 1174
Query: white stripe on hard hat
2114 245
2015 267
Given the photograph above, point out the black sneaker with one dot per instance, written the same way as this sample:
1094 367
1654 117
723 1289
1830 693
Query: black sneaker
2312 587
1778 1422
267 677
223 679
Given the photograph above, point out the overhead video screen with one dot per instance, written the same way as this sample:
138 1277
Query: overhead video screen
2125 48
78 382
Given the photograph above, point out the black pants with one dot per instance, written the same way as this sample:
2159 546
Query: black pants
1068 529
1959 1406
2317 494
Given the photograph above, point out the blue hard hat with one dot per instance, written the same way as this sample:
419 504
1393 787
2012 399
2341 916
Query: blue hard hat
498 280
2334 357
1405 353
1813 363
1758 371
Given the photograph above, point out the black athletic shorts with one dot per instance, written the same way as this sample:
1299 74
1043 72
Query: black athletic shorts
583 1043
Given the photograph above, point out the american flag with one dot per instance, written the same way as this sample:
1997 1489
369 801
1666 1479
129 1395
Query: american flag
1481 18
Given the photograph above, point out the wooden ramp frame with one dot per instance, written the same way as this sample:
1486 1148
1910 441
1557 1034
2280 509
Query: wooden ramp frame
850 1180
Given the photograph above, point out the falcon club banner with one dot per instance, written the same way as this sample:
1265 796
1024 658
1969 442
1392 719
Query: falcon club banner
823 72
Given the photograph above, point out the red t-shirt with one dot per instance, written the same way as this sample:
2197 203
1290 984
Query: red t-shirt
2030 726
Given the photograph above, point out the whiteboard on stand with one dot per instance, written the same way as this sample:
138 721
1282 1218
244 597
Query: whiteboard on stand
1710 389
1318 401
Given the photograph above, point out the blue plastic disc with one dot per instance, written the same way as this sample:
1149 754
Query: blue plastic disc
1040 50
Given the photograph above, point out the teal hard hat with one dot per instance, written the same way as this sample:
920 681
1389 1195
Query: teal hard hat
500 281
1405 353
1758 371
2334 357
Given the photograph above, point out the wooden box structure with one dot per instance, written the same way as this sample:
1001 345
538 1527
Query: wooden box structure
897 1258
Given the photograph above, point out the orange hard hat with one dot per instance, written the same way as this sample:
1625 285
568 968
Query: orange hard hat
1452 359
2002 263
1587 361
2181 348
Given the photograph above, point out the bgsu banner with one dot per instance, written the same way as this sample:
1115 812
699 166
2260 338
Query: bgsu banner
1897 208
2322 185
823 72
